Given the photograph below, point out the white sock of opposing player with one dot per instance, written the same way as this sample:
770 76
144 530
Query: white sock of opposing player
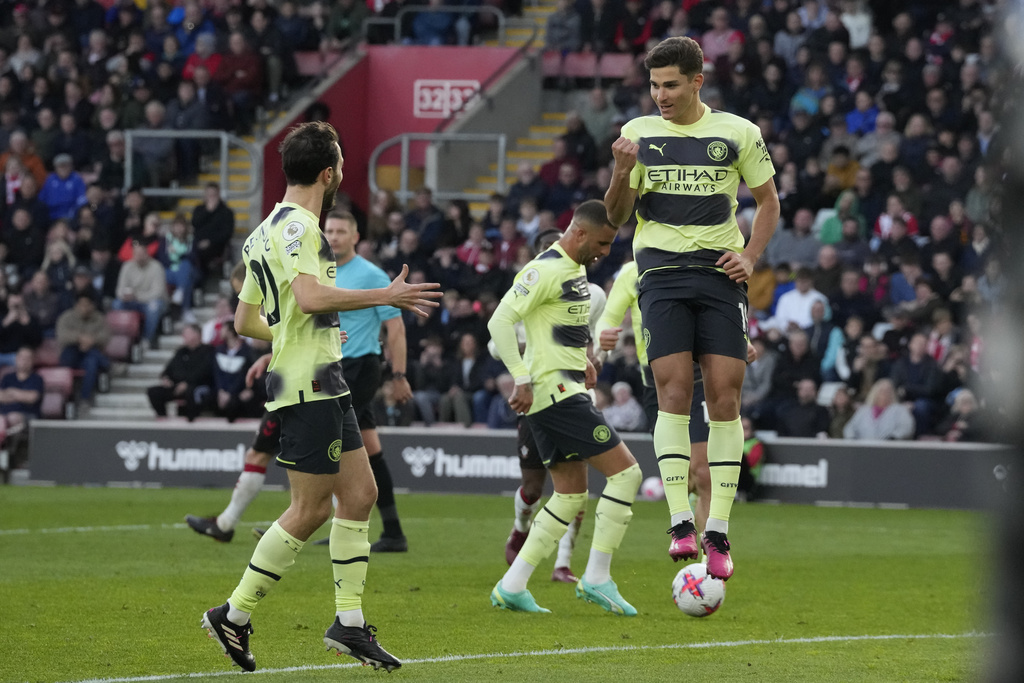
568 542
524 511
250 482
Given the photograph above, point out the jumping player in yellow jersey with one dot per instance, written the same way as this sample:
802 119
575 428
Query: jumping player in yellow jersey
681 171
290 270
552 298
624 296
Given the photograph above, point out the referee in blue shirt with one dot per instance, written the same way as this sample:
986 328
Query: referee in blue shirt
362 362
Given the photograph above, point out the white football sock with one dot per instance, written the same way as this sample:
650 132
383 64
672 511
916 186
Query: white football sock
250 482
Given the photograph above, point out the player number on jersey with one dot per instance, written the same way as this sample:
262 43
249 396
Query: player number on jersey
265 278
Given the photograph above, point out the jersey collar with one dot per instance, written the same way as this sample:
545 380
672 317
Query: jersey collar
301 209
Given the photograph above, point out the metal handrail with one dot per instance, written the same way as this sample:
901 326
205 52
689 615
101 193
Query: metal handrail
404 193
397 19
226 141
480 91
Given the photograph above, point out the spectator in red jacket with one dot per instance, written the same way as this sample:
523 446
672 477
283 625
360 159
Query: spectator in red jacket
205 55
241 74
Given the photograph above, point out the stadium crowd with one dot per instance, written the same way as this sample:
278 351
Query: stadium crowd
869 310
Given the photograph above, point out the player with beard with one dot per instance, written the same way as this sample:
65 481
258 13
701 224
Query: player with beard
290 274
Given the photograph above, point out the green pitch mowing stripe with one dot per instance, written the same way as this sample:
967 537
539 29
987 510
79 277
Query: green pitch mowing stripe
107 584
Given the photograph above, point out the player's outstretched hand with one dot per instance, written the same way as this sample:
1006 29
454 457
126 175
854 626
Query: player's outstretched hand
411 297
624 152
751 353
610 338
257 369
344 336
737 266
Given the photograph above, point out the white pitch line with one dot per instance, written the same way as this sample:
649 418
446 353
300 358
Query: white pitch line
119 527
548 653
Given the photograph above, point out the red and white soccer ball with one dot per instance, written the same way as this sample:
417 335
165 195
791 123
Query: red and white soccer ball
696 593
652 489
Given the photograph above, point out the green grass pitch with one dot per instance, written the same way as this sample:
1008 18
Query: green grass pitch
110 584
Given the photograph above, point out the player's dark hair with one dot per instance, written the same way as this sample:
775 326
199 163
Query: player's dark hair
307 150
682 52
592 212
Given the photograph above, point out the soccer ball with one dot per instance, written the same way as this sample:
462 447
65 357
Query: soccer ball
652 489
696 593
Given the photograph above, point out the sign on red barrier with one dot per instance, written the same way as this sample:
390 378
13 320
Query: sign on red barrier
435 98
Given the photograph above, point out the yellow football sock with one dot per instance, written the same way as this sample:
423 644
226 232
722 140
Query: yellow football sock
725 450
350 555
550 524
614 509
672 446
274 554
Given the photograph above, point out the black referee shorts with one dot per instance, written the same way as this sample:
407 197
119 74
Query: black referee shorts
699 310
362 375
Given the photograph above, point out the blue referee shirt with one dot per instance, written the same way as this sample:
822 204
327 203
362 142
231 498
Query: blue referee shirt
363 326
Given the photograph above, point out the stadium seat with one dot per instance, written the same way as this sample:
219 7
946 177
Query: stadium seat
615 65
59 380
119 348
48 354
573 65
59 387
128 323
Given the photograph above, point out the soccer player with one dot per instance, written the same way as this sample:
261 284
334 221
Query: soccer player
362 375
526 499
625 296
682 171
552 298
290 273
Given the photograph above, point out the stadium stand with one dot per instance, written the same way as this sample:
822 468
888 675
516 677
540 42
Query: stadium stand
882 120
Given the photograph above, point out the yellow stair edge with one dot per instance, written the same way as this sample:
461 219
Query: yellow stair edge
240 165
553 130
534 142
512 168
189 202
232 177
543 156
553 116
483 179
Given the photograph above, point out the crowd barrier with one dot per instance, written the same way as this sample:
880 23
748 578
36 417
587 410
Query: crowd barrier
440 460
